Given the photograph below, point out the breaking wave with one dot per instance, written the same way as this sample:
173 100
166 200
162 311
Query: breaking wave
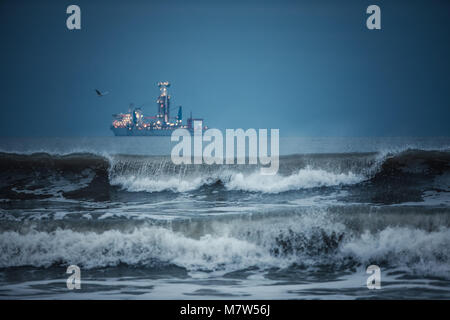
84 175
302 179
321 216
307 240
253 182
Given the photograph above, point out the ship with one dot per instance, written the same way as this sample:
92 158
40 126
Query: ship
134 123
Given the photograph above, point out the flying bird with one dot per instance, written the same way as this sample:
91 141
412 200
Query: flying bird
101 94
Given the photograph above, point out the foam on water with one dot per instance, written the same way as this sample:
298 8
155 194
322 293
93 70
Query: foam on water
308 240
254 182
302 179
331 213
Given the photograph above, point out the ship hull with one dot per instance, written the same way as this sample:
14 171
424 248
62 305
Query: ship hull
133 132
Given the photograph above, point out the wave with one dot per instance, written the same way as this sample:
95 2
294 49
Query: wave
253 182
307 241
302 179
85 175
41 175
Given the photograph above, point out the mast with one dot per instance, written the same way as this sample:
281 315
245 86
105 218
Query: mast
163 101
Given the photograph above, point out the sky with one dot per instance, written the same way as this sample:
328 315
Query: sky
308 68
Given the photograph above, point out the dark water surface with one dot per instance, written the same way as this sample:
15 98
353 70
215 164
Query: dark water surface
140 227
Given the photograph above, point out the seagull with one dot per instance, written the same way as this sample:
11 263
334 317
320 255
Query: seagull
101 94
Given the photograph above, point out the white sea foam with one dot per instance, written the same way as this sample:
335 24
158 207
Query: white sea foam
309 240
417 250
156 184
302 179
254 182
140 247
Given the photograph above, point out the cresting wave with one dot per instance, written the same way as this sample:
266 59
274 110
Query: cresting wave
254 182
313 240
33 233
77 175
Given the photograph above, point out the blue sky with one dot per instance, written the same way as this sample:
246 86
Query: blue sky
309 68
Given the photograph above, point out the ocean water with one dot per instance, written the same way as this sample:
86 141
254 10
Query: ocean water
140 227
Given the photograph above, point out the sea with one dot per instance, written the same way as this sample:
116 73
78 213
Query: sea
139 227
